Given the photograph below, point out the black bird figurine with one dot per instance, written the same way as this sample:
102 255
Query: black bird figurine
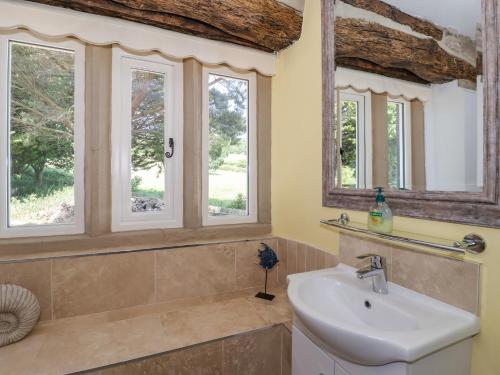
268 259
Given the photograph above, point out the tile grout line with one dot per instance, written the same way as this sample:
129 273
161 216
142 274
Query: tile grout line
51 290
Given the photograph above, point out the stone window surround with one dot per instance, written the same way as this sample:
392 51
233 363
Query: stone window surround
98 235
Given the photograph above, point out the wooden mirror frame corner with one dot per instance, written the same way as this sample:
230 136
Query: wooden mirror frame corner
460 207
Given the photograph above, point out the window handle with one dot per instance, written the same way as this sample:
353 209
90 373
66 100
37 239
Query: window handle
168 155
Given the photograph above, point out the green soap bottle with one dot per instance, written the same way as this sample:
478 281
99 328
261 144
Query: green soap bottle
380 214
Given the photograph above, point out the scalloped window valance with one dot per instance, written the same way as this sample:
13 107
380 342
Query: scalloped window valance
52 22
363 81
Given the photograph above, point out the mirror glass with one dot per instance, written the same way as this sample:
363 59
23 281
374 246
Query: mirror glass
409 95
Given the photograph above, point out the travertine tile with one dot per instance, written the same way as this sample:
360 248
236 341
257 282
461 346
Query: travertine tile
205 359
276 311
255 353
195 272
283 258
291 257
99 283
208 322
248 272
448 280
19 358
34 276
352 246
286 351
331 260
101 345
301 257
310 258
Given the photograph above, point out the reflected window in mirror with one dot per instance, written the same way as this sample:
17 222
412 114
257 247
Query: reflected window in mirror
426 115
352 138
399 144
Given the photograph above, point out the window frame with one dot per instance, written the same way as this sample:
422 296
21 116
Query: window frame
78 49
122 218
363 135
404 143
251 78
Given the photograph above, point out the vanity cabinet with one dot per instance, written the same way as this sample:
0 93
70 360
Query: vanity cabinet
311 358
308 359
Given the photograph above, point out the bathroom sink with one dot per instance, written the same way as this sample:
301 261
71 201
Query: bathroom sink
367 328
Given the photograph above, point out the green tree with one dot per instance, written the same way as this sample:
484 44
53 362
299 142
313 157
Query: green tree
148 120
42 110
227 114
393 118
349 119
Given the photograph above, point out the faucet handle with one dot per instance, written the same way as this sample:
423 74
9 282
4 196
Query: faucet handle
377 261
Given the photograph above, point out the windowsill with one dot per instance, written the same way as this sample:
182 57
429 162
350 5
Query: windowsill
34 248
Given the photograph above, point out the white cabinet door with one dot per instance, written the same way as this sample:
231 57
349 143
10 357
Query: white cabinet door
339 370
307 358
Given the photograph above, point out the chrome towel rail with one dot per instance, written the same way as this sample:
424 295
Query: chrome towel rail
471 243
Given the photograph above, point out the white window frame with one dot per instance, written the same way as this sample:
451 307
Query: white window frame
251 77
79 138
123 219
404 128
363 135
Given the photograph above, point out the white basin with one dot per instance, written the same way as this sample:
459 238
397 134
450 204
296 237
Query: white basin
401 326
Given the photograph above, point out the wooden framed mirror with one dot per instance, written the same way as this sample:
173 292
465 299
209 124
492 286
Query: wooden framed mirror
418 107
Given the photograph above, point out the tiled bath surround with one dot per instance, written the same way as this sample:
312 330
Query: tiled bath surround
90 284
195 304
266 351
83 285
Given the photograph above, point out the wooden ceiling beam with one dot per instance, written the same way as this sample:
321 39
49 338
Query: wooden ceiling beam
393 49
268 25
368 66
386 10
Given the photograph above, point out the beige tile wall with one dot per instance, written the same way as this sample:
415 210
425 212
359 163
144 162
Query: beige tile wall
262 352
453 281
82 285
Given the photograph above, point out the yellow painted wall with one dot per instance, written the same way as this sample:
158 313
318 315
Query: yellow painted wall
296 181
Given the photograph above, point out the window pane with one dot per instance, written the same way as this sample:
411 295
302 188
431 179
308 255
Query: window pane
148 135
41 135
349 118
228 146
394 127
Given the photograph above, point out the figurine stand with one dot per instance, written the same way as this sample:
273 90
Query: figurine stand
268 297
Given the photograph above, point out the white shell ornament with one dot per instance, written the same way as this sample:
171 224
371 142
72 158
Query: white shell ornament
19 312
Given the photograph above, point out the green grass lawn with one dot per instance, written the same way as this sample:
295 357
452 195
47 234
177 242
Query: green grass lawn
38 210
224 187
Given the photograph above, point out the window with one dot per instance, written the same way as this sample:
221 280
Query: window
147 142
354 139
399 144
42 136
229 147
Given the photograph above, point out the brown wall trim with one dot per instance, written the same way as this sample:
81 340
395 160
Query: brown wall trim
97 140
193 103
264 149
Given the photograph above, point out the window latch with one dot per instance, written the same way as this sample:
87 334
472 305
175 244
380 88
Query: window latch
168 154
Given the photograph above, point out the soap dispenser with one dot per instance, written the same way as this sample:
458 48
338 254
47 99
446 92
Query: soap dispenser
380 214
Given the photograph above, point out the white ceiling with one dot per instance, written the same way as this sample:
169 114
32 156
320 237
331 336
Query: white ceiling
461 15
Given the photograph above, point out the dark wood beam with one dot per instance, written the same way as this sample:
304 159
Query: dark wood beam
417 24
394 49
267 25
368 66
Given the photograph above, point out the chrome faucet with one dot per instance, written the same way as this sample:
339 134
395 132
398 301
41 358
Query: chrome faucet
376 271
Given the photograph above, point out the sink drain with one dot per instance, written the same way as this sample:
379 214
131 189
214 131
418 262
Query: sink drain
368 305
